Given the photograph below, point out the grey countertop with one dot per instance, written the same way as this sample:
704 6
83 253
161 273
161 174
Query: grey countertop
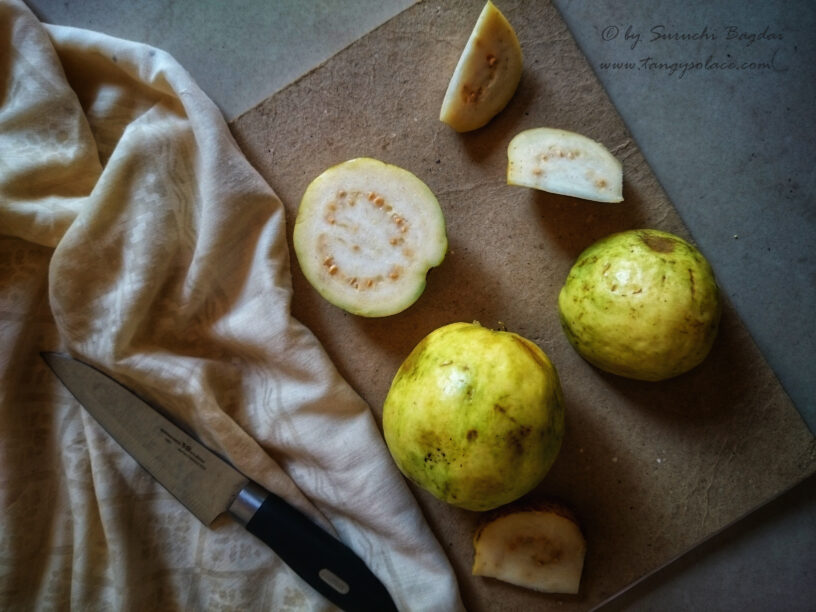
719 97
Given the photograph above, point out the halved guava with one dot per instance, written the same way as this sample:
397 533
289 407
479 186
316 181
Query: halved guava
487 74
563 162
366 235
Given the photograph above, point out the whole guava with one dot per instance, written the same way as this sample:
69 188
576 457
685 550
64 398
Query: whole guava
642 304
475 416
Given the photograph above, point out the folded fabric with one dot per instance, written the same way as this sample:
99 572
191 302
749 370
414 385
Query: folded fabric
134 234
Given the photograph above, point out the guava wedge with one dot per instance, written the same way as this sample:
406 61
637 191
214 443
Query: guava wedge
540 547
566 163
487 74
366 234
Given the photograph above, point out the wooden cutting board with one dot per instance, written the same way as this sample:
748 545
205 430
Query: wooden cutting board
652 469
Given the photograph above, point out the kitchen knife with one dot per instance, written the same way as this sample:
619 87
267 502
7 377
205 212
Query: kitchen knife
208 486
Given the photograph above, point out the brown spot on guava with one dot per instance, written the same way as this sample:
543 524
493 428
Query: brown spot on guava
515 439
428 439
587 261
472 435
660 244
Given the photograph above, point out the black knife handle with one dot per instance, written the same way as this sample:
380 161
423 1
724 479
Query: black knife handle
323 561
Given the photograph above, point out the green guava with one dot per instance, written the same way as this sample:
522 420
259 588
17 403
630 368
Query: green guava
475 416
642 304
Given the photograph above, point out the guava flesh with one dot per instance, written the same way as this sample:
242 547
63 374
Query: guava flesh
487 74
563 162
642 304
475 416
366 234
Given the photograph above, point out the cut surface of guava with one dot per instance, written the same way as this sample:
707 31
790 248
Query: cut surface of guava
366 234
487 74
566 163
539 547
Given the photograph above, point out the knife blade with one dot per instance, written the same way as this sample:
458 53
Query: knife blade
208 486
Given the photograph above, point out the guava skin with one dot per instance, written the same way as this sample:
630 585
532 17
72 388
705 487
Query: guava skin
643 304
475 416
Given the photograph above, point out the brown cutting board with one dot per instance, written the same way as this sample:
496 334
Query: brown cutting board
651 468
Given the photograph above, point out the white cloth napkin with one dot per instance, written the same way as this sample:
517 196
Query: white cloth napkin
134 234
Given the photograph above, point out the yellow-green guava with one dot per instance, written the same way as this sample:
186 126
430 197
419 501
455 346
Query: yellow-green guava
475 416
643 304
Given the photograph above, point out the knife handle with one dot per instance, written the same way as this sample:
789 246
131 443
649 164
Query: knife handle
323 561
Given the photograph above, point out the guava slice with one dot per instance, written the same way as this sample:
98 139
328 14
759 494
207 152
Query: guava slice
366 234
487 74
566 163
540 547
